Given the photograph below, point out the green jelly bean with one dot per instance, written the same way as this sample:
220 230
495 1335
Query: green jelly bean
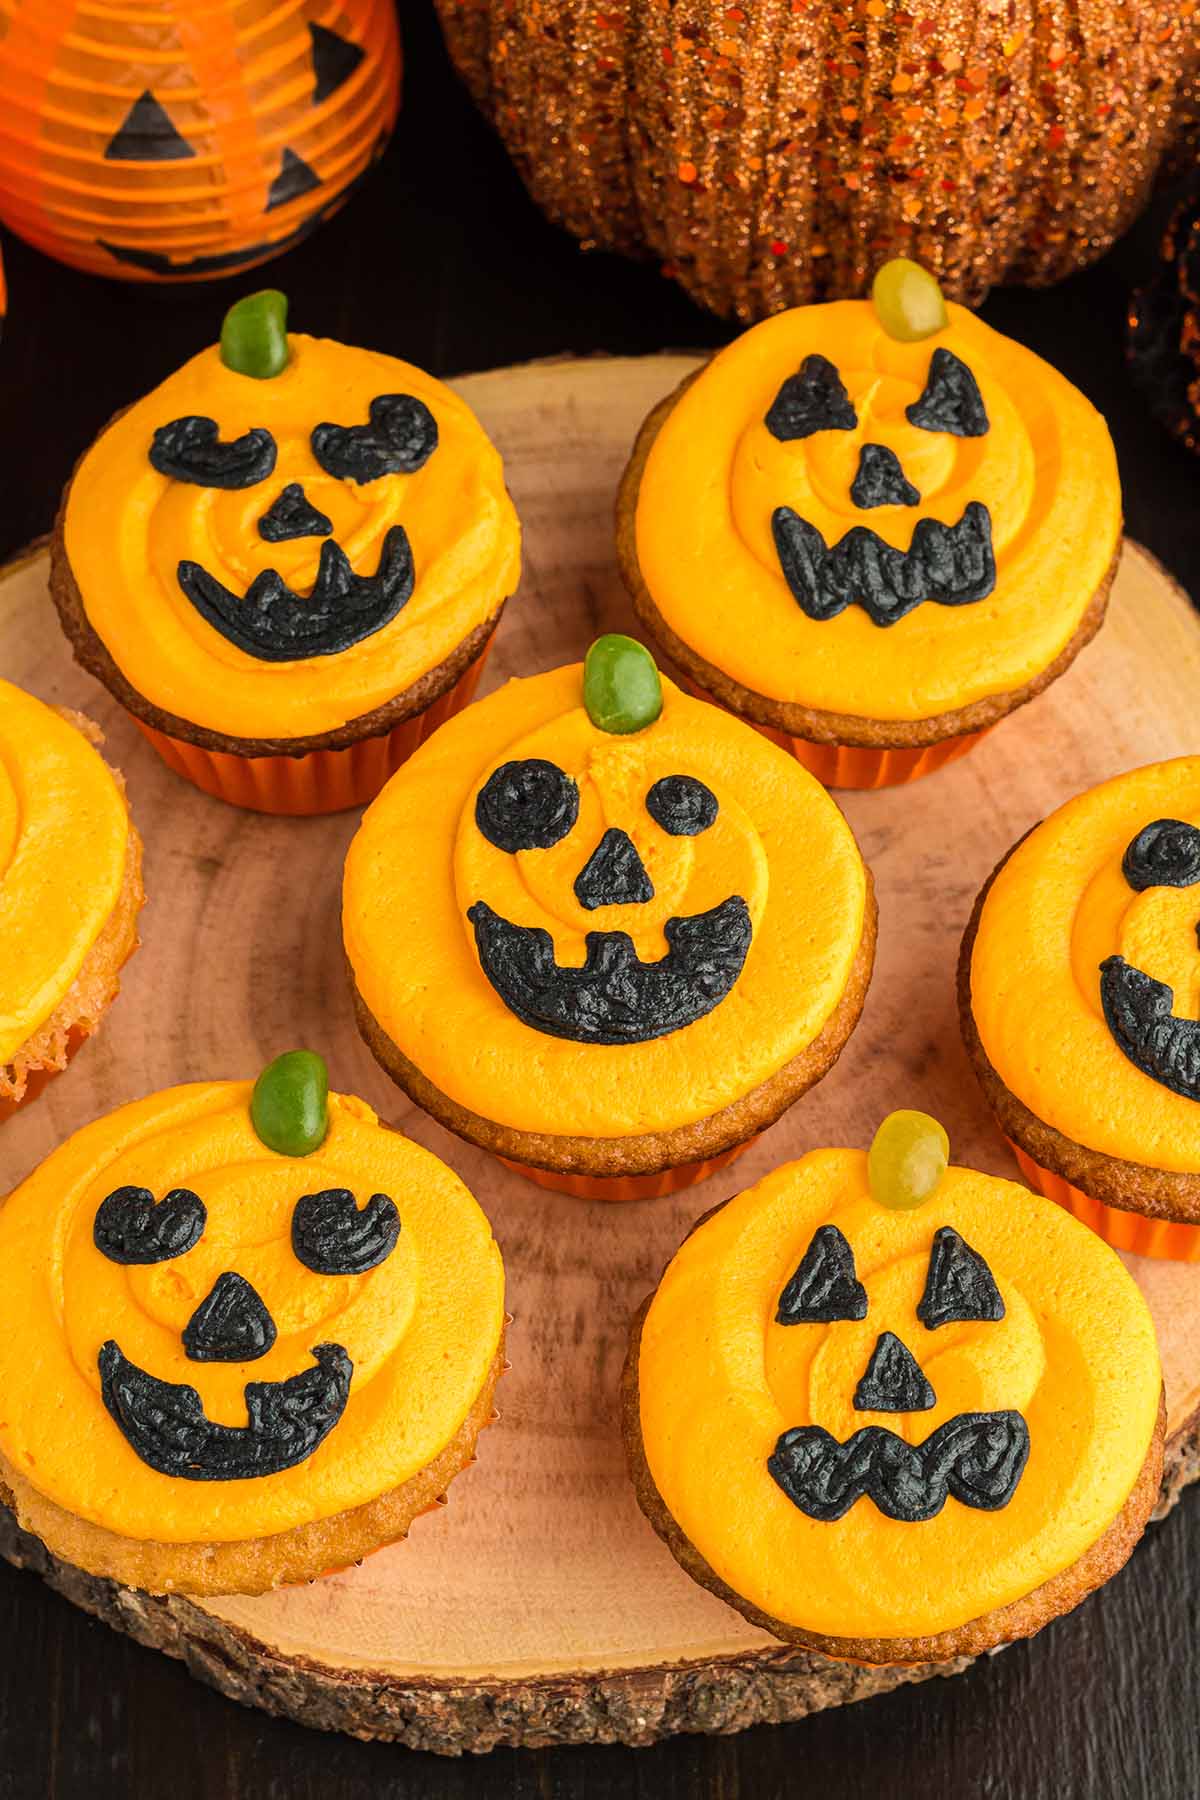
622 688
254 337
907 1160
908 300
290 1105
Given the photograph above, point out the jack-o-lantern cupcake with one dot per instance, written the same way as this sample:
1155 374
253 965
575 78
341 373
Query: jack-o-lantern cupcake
604 930
70 890
287 562
894 1411
872 529
1079 983
251 1334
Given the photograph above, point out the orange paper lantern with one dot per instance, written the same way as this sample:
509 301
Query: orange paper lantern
181 139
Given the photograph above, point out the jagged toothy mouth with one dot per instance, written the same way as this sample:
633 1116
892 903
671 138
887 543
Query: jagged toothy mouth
950 565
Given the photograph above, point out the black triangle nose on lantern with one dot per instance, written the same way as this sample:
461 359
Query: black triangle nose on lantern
894 1381
230 1325
614 874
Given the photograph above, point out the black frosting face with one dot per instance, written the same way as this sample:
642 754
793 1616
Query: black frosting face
615 997
1138 1010
977 1457
271 621
165 1422
950 565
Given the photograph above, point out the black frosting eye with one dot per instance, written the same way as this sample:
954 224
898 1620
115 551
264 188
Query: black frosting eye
190 449
825 1287
527 805
814 400
682 805
401 437
951 400
959 1286
331 1236
1164 854
130 1228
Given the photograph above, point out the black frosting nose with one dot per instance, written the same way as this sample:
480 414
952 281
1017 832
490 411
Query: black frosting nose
894 1381
230 1325
614 874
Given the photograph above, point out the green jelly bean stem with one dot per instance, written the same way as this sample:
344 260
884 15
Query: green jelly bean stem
622 688
254 338
289 1108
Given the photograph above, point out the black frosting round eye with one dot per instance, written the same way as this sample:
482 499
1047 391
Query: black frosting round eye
189 449
527 805
131 1228
331 1236
682 805
1164 854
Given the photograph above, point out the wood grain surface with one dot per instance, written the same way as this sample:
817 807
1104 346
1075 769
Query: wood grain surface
539 1607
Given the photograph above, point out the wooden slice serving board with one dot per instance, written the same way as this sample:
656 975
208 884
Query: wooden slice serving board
538 1606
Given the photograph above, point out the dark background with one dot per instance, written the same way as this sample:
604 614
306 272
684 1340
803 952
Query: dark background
443 260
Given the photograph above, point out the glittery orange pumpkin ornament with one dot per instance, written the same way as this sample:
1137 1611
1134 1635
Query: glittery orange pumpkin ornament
176 142
775 154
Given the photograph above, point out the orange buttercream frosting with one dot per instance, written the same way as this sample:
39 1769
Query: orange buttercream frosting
1060 907
1045 469
720 1379
420 862
64 834
421 1329
127 528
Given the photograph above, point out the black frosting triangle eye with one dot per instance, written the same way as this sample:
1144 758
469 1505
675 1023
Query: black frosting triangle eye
814 400
881 481
825 1287
528 805
951 400
295 177
1164 854
130 1227
959 1287
614 874
332 1236
399 439
292 515
682 805
190 449
893 1382
147 135
334 61
230 1325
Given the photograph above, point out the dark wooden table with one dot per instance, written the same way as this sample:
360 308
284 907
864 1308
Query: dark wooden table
443 260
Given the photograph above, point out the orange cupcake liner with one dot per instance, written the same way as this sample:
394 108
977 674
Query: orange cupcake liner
849 765
39 1079
1123 1230
628 1187
324 781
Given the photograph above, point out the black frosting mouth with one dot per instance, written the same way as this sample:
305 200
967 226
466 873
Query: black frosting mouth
615 998
1144 1028
274 623
978 1457
165 1424
951 565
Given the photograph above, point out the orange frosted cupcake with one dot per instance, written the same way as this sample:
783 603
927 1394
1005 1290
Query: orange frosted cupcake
1079 984
895 1420
872 529
604 930
287 562
70 890
251 1335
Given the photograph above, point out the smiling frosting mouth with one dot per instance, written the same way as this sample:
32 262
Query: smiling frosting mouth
165 1424
275 624
951 565
978 1458
615 998
1138 1012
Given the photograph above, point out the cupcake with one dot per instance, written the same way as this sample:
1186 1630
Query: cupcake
604 930
1079 983
287 562
872 529
70 890
893 1411
251 1336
